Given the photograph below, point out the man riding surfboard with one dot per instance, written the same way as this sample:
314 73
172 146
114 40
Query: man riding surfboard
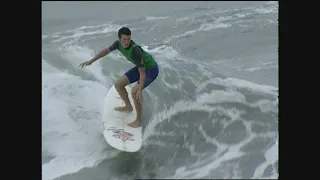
144 73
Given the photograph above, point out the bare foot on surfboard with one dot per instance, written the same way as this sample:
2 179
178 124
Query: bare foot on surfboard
134 124
123 108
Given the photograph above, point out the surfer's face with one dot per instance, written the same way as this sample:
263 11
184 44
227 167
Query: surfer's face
125 41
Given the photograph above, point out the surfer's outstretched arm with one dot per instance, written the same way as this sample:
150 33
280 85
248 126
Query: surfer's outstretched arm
106 51
101 54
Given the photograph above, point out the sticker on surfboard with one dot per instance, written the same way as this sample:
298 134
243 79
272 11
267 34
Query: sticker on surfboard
121 134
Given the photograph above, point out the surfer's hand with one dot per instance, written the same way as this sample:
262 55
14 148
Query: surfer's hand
139 96
86 63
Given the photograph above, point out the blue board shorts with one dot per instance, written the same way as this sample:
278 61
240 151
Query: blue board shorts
133 75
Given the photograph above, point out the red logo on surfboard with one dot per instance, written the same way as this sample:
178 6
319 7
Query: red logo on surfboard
121 134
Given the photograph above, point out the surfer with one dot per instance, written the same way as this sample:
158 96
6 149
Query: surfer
144 73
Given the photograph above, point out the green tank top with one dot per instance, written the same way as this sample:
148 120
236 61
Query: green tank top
148 59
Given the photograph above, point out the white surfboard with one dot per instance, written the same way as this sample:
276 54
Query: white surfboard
116 130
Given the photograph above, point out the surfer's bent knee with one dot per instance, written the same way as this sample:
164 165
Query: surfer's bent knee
134 91
121 82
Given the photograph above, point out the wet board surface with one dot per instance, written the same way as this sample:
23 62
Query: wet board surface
116 131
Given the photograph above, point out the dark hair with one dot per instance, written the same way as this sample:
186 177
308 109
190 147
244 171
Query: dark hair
124 31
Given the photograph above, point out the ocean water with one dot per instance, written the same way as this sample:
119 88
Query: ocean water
211 113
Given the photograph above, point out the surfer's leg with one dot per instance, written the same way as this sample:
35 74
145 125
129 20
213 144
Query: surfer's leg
137 105
151 75
120 87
